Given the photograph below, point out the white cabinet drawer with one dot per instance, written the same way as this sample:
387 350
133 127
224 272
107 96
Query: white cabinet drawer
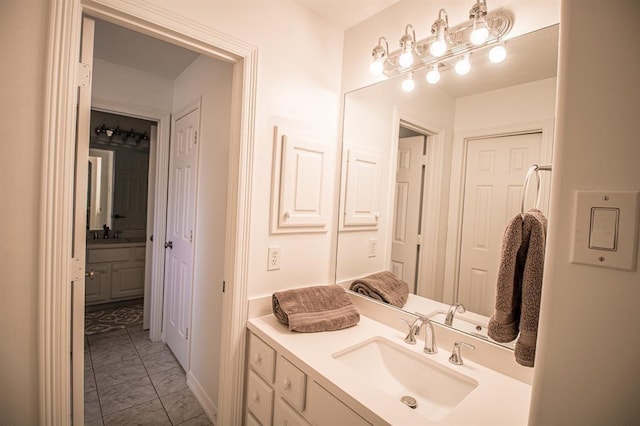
325 409
109 255
259 398
262 358
291 383
284 415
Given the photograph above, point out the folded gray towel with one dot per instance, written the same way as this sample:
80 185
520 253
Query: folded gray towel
383 286
312 309
519 286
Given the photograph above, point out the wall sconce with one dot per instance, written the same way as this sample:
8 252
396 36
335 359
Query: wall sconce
445 44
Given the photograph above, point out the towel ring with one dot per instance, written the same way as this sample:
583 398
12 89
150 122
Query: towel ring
532 170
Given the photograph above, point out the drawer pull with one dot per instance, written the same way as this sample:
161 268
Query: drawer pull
256 397
286 384
257 358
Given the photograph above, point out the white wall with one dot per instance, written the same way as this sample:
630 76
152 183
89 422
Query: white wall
23 41
210 80
115 84
391 22
589 343
299 64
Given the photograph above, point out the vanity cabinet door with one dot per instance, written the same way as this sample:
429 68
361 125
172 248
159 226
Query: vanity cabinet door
127 280
284 415
98 289
259 398
325 409
291 383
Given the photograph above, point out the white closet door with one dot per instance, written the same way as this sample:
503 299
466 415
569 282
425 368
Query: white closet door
494 175
179 254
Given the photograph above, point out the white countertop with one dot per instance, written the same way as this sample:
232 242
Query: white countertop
497 400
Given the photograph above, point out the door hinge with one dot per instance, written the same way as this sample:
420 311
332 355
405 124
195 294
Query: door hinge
224 286
191 236
195 137
423 160
84 75
76 269
419 239
186 334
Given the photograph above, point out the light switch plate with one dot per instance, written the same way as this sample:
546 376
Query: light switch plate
590 228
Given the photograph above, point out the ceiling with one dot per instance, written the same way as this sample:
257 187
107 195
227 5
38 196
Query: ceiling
346 13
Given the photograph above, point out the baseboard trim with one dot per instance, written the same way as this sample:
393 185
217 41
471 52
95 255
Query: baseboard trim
207 404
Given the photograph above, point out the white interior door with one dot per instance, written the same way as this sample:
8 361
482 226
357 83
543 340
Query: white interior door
406 216
494 176
181 214
80 221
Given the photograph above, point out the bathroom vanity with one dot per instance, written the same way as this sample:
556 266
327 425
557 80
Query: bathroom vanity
359 376
118 270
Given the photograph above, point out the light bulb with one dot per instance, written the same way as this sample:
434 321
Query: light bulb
406 59
437 48
408 84
433 76
463 66
376 67
497 54
480 32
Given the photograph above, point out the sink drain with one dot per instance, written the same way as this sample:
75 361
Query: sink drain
409 401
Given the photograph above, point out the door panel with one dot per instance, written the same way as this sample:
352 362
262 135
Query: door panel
180 227
406 217
494 175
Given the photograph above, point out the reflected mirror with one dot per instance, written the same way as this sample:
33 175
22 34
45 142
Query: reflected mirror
118 172
430 178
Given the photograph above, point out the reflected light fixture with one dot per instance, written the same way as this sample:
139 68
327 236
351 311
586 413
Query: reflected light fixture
380 55
463 66
406 45
433 76
408 84
439 28
480 32
498 53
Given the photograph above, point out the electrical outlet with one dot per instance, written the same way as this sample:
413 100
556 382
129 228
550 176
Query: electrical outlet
373 247
273 262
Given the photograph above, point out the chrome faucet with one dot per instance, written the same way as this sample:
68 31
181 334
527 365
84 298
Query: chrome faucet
456 307
430 346
456 357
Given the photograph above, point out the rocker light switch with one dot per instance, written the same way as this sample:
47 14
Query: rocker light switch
606 229
603 234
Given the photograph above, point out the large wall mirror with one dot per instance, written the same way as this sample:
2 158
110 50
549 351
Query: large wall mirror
430 178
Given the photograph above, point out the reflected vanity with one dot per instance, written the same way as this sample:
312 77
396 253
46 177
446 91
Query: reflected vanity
470 141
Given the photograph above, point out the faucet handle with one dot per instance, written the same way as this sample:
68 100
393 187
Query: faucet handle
456 356
411 337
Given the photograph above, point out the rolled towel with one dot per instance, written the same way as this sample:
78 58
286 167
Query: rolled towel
313 309
383 286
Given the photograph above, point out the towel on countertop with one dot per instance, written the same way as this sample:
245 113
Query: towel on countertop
383 286
312 309
519 285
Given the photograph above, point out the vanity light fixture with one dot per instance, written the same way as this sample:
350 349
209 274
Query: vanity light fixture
380 55
408 84
480 33
116 137
445 44
407 42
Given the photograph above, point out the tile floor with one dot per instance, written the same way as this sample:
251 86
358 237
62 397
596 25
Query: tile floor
130 380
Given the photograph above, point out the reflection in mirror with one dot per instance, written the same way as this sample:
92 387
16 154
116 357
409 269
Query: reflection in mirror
431 177
118 172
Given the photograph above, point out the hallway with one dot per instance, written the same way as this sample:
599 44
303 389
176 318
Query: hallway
132 380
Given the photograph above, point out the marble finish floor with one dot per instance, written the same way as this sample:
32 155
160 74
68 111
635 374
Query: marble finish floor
130 380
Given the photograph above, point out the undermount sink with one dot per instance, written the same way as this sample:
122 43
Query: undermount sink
400 372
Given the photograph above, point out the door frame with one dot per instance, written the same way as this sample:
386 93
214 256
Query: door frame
432 193
458 176
161 160
56 228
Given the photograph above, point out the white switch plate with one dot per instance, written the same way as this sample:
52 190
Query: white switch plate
273 261
623 255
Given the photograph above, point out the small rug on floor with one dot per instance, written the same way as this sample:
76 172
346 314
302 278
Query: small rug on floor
112 319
